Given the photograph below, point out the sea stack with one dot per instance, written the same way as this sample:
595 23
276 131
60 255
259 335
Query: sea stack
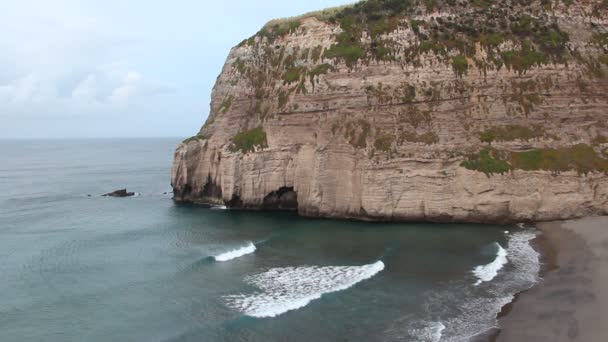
445 111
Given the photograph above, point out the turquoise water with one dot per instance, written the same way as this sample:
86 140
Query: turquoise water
79 268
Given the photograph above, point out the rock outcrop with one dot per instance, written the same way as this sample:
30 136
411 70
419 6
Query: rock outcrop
119 193
446 110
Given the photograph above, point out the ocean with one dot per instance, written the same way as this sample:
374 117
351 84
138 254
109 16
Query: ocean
75 267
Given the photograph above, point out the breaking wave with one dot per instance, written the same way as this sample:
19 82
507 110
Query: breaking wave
291 288
488 272
478 312
463 312
431 332
236 253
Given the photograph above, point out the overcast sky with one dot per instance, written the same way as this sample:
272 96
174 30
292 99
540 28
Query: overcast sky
116 68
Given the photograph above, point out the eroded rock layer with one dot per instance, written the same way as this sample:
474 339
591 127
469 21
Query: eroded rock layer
450 111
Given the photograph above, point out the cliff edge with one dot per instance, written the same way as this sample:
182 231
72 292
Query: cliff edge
434 110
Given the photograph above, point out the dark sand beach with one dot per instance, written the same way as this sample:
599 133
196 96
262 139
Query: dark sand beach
571 303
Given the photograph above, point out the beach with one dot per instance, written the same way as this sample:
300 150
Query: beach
571 302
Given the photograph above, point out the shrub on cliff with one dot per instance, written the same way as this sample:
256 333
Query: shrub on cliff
248 141
488 161
195 138
581 158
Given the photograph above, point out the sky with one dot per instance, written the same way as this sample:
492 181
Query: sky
116 68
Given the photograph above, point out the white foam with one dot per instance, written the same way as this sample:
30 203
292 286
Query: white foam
521 226
488 272
219 207
525 258
291 288
236 253
478 312
436 331
432 332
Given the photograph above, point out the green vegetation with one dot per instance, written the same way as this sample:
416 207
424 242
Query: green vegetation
428 138
489 161
581 158
226 104
350 53
376 17
511 133
274 30
319 70
195 138
384 142
492 40
283 98
482 3
599 140
322 15
524 59
316 53
487 137
552 40
538 40
454 38
415 25
293 75
460 65
600 39
248 141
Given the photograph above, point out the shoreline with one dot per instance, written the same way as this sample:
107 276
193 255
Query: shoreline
568 302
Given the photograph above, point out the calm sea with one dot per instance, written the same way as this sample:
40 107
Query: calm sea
80 268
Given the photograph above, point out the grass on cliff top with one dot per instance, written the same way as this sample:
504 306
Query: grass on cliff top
248 141
322 15
581 158
536 41
195 138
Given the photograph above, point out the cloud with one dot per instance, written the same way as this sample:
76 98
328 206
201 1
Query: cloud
60 60
101 91
132 84
115 67
86 90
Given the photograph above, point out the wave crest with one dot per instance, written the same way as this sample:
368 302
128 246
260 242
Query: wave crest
291 288
488 272
236 253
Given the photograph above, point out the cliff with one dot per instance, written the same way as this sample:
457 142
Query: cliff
445 110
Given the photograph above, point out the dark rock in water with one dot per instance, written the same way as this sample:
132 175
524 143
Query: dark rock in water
120 193
89 195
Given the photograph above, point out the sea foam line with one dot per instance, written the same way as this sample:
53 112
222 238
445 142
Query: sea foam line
236 253
291 288
432 332
488 272
476 307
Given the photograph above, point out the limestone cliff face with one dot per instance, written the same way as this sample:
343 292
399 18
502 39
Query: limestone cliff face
459 111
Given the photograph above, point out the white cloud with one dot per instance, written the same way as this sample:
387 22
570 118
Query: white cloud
132 84
60 58
86 90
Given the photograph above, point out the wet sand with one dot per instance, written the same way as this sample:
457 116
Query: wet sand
571 302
